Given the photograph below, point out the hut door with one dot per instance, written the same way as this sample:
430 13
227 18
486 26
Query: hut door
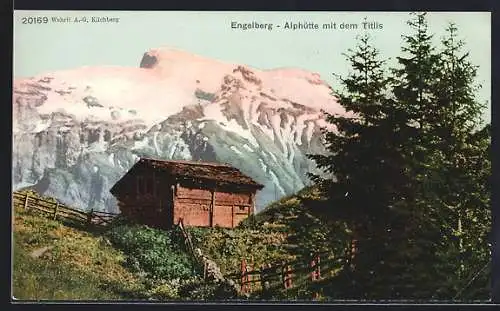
168 209
164 200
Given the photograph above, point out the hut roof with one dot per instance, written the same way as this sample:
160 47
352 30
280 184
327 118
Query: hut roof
220 173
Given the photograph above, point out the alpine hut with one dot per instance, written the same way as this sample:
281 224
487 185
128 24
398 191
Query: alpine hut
160 193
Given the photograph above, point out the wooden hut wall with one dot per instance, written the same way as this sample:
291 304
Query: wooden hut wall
194 205
153 198
146 198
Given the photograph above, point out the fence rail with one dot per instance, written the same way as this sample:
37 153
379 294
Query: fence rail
284 275
57 210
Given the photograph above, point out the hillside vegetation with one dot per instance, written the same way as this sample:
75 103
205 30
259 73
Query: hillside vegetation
62 261
78 265
284 232
53 261
228 247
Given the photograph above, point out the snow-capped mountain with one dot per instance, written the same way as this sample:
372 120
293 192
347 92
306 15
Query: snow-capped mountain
76 132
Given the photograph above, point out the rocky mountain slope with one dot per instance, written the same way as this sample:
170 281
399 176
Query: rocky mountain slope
76 132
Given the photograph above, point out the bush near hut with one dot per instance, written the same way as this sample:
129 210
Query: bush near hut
227 247
155 253
158 262
80 264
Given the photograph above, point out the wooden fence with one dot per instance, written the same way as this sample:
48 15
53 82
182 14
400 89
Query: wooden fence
268 277
283 275
57 210
187 238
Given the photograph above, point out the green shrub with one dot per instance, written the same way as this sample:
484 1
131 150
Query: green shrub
198 234
227 247
156 253
198 289
251 222
119 221
168 290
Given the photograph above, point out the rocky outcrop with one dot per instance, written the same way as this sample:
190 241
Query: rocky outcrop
39 252
76 132
213 273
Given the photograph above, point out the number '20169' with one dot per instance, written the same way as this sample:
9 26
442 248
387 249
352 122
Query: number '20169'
35 20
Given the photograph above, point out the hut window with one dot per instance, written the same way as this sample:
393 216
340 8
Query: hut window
242 208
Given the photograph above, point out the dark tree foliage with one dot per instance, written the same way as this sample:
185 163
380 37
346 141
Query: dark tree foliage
411 173
366 157
463 195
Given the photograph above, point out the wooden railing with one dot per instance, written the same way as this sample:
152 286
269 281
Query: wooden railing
284 275
57 210
187 238
188 242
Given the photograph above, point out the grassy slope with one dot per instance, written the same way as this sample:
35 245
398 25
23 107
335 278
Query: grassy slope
83 265
303 233
277 214
262 237
228 247
80 265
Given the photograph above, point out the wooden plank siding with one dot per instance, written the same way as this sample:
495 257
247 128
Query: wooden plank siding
151 195
209 207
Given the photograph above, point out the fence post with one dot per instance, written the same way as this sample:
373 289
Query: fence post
262 277
283 276
354 246
89 217
315 273
205 270
286 276
315 265
318 267
251 276
312 264
55 211
315 295
26 201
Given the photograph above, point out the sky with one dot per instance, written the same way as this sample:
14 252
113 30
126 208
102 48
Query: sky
40 48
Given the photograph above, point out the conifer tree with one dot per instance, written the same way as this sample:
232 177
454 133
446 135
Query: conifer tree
465 164
370 180
411 172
